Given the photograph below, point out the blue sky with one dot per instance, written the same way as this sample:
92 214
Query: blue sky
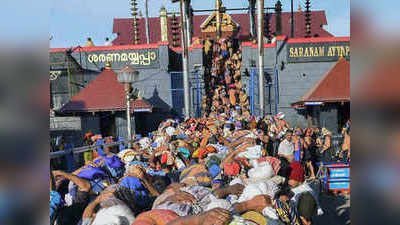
72 21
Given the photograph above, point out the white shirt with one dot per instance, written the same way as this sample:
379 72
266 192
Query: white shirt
286 148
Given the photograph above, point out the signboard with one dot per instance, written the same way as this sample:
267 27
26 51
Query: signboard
317 52
313 103
136 58
65 123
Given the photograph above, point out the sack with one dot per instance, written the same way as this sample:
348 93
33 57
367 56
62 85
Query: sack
262 171
254 152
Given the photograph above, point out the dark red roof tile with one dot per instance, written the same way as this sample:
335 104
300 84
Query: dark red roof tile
104 93
334 86
123 27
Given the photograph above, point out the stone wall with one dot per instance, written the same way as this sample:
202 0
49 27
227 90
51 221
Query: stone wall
294 80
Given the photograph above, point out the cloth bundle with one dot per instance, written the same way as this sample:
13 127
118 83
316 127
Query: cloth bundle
254 152
197 174
155 217
259 188
232 169
114 215
127 155
261 171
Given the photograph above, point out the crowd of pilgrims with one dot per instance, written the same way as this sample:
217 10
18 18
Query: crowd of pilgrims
227 167
222 80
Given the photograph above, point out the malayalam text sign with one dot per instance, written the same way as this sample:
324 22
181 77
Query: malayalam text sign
136 58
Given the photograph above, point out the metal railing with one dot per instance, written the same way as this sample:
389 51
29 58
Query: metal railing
337 140
82 149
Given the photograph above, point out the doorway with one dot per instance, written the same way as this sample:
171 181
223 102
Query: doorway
107 124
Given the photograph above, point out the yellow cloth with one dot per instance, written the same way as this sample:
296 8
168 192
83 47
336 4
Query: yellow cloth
195 153
255 217
196 174
88 156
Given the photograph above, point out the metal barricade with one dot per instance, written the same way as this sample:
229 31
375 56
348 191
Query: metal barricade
78 150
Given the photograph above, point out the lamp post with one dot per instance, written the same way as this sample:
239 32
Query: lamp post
129 76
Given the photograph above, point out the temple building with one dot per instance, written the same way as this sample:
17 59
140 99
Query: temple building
306 78
329 98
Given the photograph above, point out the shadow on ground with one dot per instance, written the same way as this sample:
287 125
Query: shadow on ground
336 208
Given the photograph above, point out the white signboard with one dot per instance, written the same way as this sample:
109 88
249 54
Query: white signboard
313 103
65 123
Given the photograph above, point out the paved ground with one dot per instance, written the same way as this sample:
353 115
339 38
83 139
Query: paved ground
336 208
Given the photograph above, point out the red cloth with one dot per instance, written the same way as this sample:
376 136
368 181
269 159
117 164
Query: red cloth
164 158
202 153
242 161
155 217
297 172
232 169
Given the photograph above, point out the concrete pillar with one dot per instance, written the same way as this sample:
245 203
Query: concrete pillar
185 58
260 9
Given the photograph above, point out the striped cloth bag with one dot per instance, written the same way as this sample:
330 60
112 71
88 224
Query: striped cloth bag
197 173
